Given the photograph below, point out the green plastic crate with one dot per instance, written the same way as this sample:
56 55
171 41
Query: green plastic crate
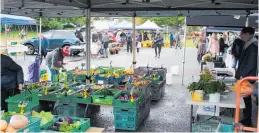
30 98
69 109
33 126
76 99
128 119
127 103
85 124
103 99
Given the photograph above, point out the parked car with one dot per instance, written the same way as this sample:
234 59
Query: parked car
56 38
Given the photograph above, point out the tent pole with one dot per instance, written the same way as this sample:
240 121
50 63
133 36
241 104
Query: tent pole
88 41
185 32
39 52
5 27
134 40
247 21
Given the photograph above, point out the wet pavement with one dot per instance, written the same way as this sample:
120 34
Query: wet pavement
170 114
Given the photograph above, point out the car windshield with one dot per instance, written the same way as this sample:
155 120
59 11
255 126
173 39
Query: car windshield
63 34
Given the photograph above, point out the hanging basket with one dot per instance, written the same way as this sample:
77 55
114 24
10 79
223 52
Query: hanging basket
197 95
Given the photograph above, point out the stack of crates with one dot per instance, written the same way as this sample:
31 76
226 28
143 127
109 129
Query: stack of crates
158 88
69 109
129 115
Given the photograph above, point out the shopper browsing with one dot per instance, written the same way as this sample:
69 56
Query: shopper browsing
247 66
11 79
158 43
54 60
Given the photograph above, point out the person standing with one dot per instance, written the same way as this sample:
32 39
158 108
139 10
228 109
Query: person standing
129 42
214 45
178 41
247 66
44 47
11 79
105 42
236 51
138 41
158 42
201 47
54 60
22 33
145 37
123 38
222 45
172 39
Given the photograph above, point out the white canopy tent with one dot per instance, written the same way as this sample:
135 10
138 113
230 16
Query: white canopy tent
122 25
148 25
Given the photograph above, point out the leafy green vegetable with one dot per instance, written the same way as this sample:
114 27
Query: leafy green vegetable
69 127
7 114
46 117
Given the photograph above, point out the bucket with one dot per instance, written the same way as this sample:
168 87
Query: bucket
197 95
210 65
215 97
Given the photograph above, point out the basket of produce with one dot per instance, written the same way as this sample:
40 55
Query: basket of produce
23 102
127 100
82 96
20 123
67 124
46 117
105 96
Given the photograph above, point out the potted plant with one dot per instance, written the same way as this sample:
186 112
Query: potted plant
196 90
206 76
213 88
207 58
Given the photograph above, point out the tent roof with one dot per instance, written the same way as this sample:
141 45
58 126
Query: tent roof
128 8
222 21
122 25
148 25
17 20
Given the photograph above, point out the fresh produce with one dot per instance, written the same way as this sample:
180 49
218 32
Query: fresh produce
125 96
18 121
33 86
7 114
105 92
46 117
3 124
65 124
243 86
10 129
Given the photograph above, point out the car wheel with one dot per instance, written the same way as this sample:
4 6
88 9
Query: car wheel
31 49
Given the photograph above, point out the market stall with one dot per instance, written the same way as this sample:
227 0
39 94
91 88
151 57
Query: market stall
15 20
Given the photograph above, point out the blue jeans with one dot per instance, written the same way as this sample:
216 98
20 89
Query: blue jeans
53 72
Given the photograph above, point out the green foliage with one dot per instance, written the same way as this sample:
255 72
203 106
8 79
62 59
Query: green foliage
214 86
166 21
206 76
57 23
196 86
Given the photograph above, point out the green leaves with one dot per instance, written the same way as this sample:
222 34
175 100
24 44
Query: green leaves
214 86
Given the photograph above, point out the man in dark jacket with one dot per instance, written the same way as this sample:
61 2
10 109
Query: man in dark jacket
247 66
236 51
11 79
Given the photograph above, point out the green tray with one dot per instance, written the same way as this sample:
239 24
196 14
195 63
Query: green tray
127 103
103 99
85 124
30 98
33 126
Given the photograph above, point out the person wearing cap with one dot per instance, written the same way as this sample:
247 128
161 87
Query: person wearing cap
54 60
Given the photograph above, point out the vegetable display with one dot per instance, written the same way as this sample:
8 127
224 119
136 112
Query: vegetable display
16 122
46 117
33 86
64 124
126 96
105 92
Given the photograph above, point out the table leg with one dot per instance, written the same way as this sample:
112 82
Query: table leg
191 118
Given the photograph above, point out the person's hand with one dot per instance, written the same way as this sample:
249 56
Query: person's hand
248 90
20 87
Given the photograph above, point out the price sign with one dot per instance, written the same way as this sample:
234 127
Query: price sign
100 82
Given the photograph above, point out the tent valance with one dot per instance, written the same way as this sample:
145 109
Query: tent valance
17 20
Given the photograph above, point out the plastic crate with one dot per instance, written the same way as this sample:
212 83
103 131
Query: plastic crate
147 108
103 99
127 103
156 94
144 89
69 109
30 98
33 126
225 128
161 71
85 124
205 126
